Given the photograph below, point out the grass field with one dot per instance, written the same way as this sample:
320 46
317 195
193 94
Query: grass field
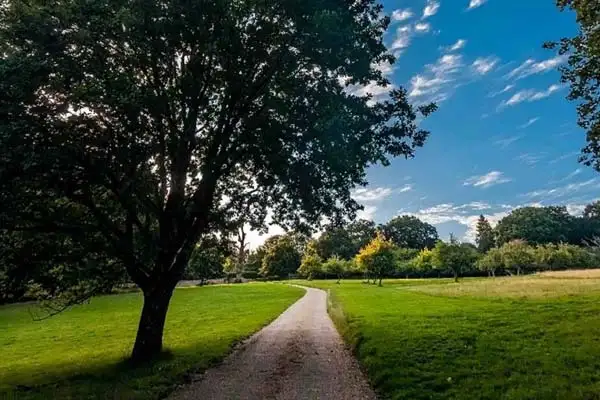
80 353
535 337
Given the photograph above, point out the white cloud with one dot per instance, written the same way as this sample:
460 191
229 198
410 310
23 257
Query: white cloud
435 83
531 67
402 15
490 179
422 27
575 209
374 194
529 123
406 188
431 8
460 43
561 191
573 174
529 95
401 40
368 212
476 3
483 65
385 67
504 143
506 89
466 214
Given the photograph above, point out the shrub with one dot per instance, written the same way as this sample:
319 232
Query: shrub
337 267
518 257
422 263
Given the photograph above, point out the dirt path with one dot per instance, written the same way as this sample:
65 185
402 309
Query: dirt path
300 355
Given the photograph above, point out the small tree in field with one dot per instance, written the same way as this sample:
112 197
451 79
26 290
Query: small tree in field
518 256
491 262
311 263
454 256
377 258
336 266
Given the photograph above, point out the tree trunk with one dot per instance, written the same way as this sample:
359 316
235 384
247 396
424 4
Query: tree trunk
148 342
455 276
380 279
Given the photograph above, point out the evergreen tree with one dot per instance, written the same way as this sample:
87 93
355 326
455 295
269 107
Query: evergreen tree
485 235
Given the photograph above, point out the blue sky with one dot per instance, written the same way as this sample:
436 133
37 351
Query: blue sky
504 135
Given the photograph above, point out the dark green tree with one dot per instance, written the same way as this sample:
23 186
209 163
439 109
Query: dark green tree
132 129
410 232
281 258
345 240
485 235
592 210
582 72
207 258
536 225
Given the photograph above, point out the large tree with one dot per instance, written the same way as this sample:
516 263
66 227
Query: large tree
345 239
410 232
133 128
536 225
582 72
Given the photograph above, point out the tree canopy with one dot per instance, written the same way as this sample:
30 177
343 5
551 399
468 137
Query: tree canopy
485 235
536 225
410 232
129 130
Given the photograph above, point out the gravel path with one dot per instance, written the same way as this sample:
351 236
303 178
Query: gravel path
300 355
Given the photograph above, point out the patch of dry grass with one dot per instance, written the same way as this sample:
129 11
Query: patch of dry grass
534 286
573 273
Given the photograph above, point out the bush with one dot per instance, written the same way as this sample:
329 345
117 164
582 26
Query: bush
563 256
422 264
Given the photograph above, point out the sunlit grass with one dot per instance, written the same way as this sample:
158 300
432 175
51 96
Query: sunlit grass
80 353
503 338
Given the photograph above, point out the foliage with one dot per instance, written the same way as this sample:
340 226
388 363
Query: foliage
377 258
281 258
345 239
404 260
337 267
423 262
592 210
312 264
564 256
536 225
454 256
204 323
207 259
518 257
147 125
410 232
485 235
582 72
491 261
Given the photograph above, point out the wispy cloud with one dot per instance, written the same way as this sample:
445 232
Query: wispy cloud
372 194
483 65
476 3
431 8
531 159
406 188
504 143
561 191
460 44
436 83
499 92
529 123
490 179
402 14
368 212
529 95
373 89
531 67
402 40
571 155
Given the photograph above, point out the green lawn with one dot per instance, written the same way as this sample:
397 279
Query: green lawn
505 338
80 353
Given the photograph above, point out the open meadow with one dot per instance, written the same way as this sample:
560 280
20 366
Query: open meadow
80 353
533 337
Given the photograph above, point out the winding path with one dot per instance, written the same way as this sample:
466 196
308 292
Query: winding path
300 355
